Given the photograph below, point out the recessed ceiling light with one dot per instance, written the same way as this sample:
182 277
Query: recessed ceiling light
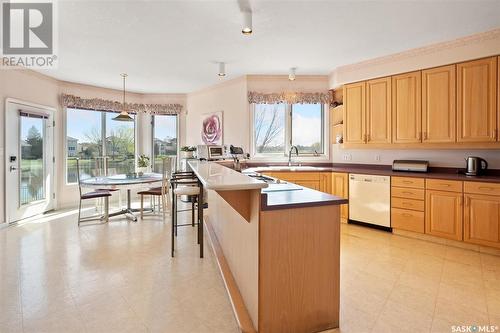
222 69
247 23
291 74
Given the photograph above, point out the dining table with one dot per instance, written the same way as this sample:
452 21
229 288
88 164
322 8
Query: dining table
123 182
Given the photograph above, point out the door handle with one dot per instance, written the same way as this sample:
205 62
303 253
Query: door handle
12 168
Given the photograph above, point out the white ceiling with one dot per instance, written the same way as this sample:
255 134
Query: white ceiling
172 46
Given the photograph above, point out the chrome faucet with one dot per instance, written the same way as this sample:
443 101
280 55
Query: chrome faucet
290 154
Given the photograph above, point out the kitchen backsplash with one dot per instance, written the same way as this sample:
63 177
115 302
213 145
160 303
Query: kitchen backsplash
441 158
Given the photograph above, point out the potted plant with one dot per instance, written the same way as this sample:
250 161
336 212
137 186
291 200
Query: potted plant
188 151
142 164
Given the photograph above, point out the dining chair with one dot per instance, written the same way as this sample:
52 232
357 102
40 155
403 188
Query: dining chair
91 195
161 192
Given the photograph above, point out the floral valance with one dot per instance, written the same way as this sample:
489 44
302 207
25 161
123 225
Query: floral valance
289 98
99 104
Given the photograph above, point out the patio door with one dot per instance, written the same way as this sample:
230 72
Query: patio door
29 160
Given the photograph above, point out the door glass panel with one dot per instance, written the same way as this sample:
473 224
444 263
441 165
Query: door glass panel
32 179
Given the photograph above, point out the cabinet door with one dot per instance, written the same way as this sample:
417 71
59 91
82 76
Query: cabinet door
443 214
476 106
378 111
312 184
438 105
326 182
482 220
354 113
340 184
406 108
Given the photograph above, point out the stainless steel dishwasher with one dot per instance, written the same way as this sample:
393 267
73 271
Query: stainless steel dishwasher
370 199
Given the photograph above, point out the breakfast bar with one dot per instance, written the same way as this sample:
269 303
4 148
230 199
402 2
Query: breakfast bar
278 249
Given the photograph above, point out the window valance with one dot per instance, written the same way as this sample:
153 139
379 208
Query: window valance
99 104
289 98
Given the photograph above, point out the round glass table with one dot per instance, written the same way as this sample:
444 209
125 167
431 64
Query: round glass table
124 182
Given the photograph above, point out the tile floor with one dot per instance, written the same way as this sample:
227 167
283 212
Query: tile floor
119 277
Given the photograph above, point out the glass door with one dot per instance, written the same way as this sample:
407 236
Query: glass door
29 161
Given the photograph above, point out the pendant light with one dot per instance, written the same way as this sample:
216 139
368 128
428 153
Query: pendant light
124 116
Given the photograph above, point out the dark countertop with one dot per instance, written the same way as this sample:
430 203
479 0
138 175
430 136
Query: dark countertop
298 199
492 176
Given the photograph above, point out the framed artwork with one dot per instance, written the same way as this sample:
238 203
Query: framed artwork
212 129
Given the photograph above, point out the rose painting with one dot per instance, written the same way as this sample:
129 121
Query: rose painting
211 128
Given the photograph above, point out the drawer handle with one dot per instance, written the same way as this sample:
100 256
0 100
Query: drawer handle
407 215
407 182
407 204
410 193
446 185
486 188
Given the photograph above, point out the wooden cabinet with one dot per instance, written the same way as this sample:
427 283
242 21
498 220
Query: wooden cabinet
444 214
340 188
406 108
407 204
476 102
354 112
482 220
378 111
307 179
325 182
438 105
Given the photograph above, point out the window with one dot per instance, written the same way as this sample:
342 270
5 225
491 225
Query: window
164 139
93 135
277 127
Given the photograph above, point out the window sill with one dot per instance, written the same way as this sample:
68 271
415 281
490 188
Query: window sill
295 159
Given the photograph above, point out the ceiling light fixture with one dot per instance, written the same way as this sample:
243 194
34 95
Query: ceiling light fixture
247 23
123 116
222 69
291 74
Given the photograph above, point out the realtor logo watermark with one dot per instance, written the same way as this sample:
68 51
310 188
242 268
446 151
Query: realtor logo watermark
28 35
474 328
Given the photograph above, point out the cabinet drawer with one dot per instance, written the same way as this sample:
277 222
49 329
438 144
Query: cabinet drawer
443 185
482 188
407 220
407 204
408 193
407 182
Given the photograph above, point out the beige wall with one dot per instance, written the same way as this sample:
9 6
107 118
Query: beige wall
231 97
471 47
36 88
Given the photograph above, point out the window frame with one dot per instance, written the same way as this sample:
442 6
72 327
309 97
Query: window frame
324 156
103 138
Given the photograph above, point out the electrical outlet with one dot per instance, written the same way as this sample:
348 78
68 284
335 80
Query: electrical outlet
377 158
347 157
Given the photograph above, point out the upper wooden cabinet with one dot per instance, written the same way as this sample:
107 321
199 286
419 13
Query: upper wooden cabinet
476 102
438 105
378 111
406 108
354 112
443 214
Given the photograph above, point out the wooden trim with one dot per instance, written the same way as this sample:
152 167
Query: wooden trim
240 311
457 145
240 200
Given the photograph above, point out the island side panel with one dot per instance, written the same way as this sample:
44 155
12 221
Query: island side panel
299 269
239 241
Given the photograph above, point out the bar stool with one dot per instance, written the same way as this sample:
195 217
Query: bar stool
161 192
186 183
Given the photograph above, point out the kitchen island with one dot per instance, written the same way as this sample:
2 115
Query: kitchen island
278 249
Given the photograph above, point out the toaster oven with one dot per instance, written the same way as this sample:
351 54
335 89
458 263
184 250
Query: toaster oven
210 152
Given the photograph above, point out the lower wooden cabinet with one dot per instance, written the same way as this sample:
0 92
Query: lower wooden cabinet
340 188
482 219
312 184
444 214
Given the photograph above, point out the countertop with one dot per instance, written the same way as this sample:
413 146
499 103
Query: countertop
304 197
385 170
215 176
